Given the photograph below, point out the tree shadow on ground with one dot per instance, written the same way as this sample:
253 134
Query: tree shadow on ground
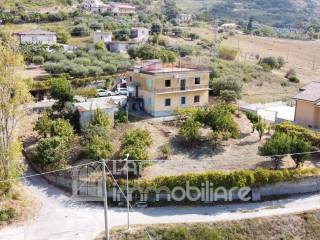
202 148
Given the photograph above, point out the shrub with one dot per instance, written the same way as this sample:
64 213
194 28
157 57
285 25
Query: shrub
100 45
55 56
239 178
96 141
294 79
82 60
63 36
109 68
80 30
7 214
38 59
228 95
94 71
61 128
166 151
228 53
189 131
52 153
305 134
136 143
100 118
253 118
54 68
61 90
121 116
276 147
227 83
272 62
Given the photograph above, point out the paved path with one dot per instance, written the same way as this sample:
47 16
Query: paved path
60 218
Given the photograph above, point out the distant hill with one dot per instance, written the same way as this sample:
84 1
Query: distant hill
277 13
31 5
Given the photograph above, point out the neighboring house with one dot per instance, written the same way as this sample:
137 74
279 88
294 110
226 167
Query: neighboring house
183 18
122 9
159 90
227 27
308 106
36 36
102 36
139 34
95 6
114 8
86 109
119 46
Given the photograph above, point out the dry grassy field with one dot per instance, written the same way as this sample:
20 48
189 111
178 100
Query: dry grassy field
303 56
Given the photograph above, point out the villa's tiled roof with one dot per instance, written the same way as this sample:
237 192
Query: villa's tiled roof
310 93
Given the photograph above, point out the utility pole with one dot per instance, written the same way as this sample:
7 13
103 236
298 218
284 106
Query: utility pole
105 196
128 204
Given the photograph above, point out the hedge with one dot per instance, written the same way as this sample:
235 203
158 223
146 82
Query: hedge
240 178
301 132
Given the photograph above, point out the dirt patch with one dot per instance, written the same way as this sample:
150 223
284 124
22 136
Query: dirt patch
233 154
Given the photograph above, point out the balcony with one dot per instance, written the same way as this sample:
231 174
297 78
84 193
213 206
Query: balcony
181 89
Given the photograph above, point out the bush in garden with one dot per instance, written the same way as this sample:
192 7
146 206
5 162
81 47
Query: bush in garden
100 45
226 83
254 119
100 118
121 116
82 61
63 36
55 57
136 143
305 134
166 151
78 70
219 119
190 131
299 146
61 90
52 153
61 128
261 127
228 95
54 68
94 71
38 59
109 68
277 147
80 30
96 141
43 124
228 53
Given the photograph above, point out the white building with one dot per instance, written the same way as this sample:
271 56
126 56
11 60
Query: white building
114 8
183 18
109 105
36 36
122 9
139 34
227 27
102 36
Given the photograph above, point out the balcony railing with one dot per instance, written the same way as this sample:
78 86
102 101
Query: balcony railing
182 89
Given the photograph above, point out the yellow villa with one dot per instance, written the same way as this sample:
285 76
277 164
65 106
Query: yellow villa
308 106
159 89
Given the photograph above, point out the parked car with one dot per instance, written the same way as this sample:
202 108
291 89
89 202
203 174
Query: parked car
141 205
121 91
104 93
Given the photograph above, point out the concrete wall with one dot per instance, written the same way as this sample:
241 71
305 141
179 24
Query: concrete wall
44 39
306 114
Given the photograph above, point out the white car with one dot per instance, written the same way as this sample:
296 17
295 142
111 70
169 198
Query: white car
104 93
121 91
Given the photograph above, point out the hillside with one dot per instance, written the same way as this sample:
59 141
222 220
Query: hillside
277 13
32 5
